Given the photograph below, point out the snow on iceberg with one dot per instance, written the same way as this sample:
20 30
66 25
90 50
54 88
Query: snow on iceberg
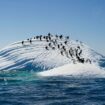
45 52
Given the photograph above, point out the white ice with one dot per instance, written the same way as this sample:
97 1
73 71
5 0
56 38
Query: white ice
78 69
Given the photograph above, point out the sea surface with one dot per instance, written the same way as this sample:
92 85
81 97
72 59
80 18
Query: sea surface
26 88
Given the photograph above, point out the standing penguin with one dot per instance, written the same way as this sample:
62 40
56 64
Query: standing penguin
58 46
53 48
40 37
70 53
65 42
49 44
56 36
30 41
61 52
67 37
80 52
61 36
49 34
22 42
46 48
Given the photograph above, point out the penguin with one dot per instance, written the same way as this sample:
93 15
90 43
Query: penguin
56 36
61 44
40 37
61 36
63 47
70 54
80 52
58 46
53 48
44 37
55 41
65 42
46 48
22 42
61 52
49 38
37 37
88 60
49 34
78 47
81 60
49 44
72 51
67 37
30 41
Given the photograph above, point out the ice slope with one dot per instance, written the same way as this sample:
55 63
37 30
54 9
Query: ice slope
34 56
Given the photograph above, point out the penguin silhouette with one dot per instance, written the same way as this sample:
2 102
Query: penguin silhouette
46 48
40 37
67 37
61 52
53 48
49 44
70 54
22 42
65 42
58 46
30 41
61 36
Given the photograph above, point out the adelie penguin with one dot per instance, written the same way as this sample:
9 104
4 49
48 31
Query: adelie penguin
46 48
49 34
40 37
88 60
61 52
49 44
30 41
56 36
70 53
78 47
67 37
81 60
58 46
22 42
63 47
44 37
65 42
37 37
49 38
61 36
80 52
53 48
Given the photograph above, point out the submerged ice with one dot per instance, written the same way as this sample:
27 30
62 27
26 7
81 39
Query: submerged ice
47 52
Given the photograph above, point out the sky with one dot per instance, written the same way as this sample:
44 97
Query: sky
82 20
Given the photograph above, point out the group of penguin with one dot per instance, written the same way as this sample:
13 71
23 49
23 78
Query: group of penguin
55 42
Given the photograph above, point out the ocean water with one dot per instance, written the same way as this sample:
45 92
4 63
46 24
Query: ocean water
26 88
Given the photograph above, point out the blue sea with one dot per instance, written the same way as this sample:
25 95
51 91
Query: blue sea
26 88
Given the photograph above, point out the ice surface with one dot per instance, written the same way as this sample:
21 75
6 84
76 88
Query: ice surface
18 56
